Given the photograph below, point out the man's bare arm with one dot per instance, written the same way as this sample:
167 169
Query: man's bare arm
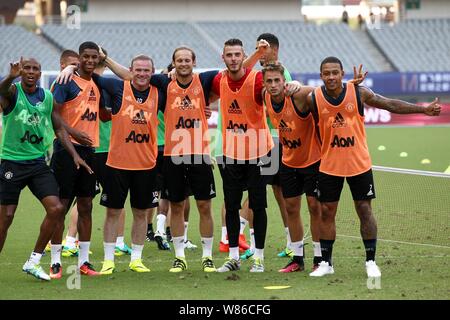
81 137
398 106
118 69
301 99
308 103
63 137
253 59
7 90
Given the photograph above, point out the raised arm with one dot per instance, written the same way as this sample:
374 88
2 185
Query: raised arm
7 90
292 87
398 106
253 59
301 99
63 137
358 76
118 69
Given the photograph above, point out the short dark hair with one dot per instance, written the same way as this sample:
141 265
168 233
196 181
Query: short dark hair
68 53
274 66
233 42
183 48
88 45
331 60
167 69
170 67
270 38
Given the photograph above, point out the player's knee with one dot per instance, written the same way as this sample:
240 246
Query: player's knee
328 208
364 209
58 209
55 211
328 213
177 207
292 210
204 207
314 209
8 215
84 207
139 216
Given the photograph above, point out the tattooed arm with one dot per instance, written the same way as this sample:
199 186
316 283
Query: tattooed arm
398 106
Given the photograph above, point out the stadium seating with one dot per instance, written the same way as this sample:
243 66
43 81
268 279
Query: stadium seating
416 45
16 41
124 41
303 46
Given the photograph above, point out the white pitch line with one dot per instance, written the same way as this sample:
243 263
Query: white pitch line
402 242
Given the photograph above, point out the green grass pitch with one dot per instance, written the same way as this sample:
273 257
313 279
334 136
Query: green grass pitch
409 271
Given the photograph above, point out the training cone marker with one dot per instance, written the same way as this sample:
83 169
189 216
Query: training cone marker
403 154
425 161
381 148
276 287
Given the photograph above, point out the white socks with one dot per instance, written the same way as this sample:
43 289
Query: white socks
83 254
259 253
161 223
109 248
243 224
288 238
178 243
186 224
317 249
70 242
223 238
120 242
234 253
56 253
35 258
252 240
297 247
136 251
207 244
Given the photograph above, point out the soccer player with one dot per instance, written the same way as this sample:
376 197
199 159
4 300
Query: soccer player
28 119
271 55
160 235
100 168
301 157
131 157
186 152
68 57
345 155
70 248
78 104
246 143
